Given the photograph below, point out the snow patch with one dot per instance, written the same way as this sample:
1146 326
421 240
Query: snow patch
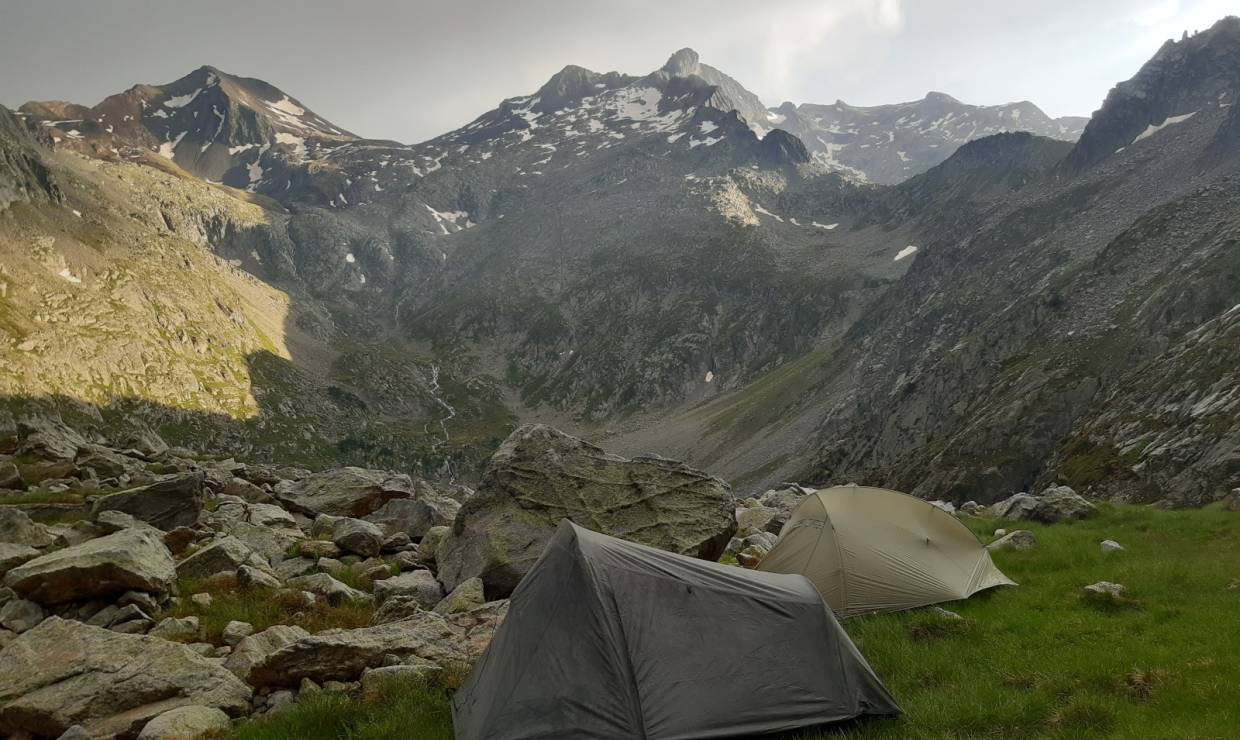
707 126
458 219
906 252
288 106
828 227
180 101
1152 129
709 376
168 149
759 209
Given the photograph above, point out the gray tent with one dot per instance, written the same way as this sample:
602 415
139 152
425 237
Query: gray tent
609 639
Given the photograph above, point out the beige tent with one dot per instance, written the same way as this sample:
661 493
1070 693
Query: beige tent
873 550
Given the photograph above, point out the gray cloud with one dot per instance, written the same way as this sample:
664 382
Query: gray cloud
411 70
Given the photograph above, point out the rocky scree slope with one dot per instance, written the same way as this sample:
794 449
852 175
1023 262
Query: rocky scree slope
125 605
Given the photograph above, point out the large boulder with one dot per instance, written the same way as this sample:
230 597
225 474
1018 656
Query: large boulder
342 655
467 595
47 439
11 477
354 492
540 476
224 553
19 529
784 500
420 585
173 502
12 556
1055 504
255 648
416 516
64 673
129 560
357 536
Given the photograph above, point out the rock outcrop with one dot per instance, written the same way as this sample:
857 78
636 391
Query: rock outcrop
353 492
1055 504
129 560
173 502
64 673
540 476
342 655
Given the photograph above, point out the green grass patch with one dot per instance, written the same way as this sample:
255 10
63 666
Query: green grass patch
1035 661
263 608
410 709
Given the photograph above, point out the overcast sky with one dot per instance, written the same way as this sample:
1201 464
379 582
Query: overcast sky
412 69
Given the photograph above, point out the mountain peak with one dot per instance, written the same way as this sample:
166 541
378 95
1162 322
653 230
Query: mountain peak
935 96
1198 73
682 63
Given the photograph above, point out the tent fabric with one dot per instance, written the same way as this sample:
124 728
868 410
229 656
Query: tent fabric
606 638
871 550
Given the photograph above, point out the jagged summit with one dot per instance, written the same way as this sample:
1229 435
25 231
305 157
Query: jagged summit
1199 74
222 127
573 83
682 63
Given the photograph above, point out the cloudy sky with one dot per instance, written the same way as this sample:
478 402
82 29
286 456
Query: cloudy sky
411 69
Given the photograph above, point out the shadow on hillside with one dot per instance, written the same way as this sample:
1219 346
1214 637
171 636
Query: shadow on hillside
298 421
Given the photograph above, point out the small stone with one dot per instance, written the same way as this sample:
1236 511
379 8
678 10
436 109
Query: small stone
235 631
250 577
396 542
374 679
76 732
1106 587
315 549
1000 532
1111 546
183 629
375 570
1021 539
308 688
343 687
202 600
142 599
329 588
186 722
278 701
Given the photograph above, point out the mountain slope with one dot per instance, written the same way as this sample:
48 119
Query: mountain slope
1072 328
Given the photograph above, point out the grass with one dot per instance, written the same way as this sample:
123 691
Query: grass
263 608
1036 661
396 709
